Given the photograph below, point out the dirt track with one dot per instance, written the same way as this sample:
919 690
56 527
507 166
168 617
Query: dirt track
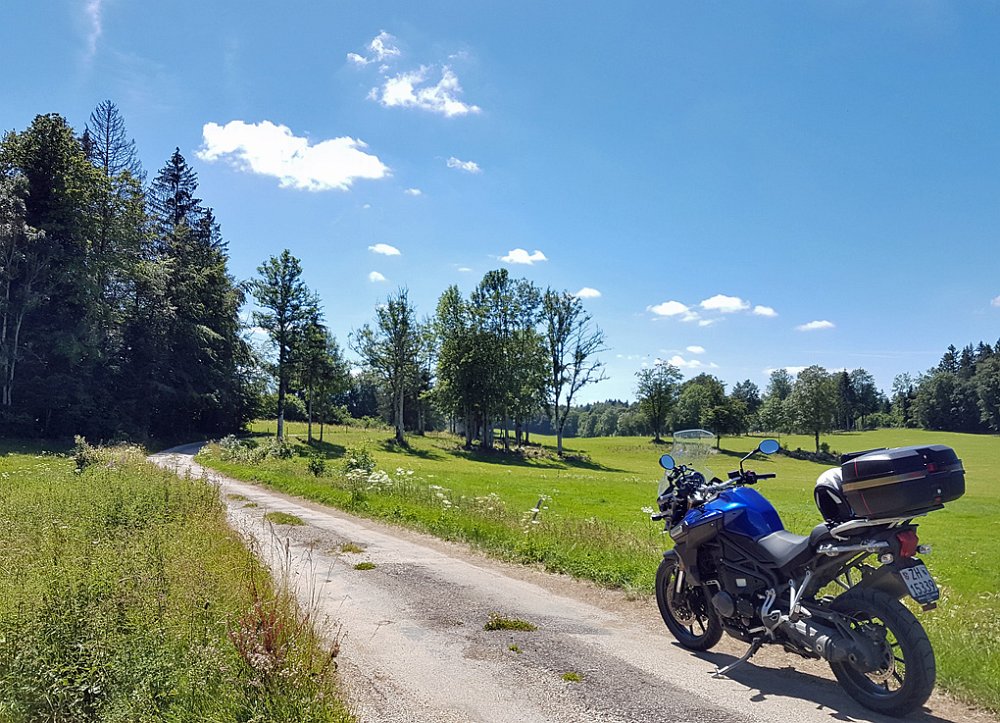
415 648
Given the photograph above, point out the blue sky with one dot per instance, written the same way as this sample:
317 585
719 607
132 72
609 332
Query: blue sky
746 185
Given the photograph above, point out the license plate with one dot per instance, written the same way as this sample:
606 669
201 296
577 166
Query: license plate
920 583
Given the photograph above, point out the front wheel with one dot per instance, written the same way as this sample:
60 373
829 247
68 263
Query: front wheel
905 676
684 608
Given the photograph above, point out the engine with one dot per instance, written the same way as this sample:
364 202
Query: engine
738 592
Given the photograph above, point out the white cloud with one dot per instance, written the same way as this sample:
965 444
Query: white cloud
669 308
995 301
464 269
412 90
696 349
413 192
93 10
725 304
521 256
381 47
791 370
815 325
375 277
764 311
467 166
384 249
705 322
587 293
681 363
272 150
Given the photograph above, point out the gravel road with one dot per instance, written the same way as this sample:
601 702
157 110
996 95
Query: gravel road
413 646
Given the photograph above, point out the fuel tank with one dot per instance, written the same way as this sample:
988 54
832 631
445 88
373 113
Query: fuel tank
739 511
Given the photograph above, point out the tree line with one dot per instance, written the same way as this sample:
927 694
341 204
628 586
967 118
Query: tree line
119 318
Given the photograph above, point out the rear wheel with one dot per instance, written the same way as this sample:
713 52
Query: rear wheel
905 676
684 608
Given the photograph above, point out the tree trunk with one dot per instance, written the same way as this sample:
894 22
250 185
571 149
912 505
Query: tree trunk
817 441
400 440
281 408
321 430
309 416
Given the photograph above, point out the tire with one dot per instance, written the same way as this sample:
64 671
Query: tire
686 611
906 679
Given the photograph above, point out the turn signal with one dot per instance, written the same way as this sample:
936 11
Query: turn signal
907 543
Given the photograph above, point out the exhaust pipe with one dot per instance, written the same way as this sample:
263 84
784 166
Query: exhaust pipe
829 644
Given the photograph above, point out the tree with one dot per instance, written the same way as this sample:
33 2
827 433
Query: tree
748 393
320 371
572 342
780 384
390 351
988 387
773 416
657 390
814 401
866 394
108 145
22 278
287 310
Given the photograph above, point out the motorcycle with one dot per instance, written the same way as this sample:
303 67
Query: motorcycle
834 594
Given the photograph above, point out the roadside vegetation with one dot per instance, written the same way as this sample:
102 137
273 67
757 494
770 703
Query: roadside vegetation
587 514
124 596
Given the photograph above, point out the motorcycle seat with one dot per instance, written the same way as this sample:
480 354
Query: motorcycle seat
789 550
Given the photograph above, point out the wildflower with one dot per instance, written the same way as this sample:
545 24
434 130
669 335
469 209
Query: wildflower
647 510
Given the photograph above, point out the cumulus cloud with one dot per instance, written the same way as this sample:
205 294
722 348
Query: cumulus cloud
413 192
791 370
467 166
273 150
381 48
412 89
587 293
995 301
681 363
521 256
384 249
375 277
464 269
815 325
764 311
696 349
669 308
725 304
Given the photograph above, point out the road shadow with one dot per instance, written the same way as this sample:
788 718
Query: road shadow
789 681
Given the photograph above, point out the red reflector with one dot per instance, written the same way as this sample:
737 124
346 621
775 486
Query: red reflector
931 467
907 543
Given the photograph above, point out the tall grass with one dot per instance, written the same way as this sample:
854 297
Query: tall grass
595 525
124 596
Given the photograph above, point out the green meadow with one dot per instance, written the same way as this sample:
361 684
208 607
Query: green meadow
124 596
591 522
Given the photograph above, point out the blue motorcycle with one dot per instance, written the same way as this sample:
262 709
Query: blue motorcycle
833 594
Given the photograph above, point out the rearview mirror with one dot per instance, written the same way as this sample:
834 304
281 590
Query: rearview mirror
769 446
667 462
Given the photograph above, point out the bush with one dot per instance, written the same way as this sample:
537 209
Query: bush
317 466
359 458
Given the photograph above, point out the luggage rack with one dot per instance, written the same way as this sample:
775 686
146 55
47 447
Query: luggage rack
841 531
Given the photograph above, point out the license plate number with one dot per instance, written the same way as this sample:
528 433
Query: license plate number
920 583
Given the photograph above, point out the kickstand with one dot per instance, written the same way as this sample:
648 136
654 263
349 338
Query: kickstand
754 647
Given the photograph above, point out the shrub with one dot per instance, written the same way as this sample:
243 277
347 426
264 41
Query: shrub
359 458
317 466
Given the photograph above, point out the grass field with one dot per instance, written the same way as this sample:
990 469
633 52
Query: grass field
591 522
124 597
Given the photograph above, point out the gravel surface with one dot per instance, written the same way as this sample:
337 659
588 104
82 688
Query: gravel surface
414 647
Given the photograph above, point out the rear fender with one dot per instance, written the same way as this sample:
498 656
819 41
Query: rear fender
887 578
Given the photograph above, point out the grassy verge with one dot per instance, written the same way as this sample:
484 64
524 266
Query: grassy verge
124 596
591 521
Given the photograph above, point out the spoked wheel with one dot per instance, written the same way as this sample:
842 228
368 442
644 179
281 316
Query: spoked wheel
685 609
906 671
